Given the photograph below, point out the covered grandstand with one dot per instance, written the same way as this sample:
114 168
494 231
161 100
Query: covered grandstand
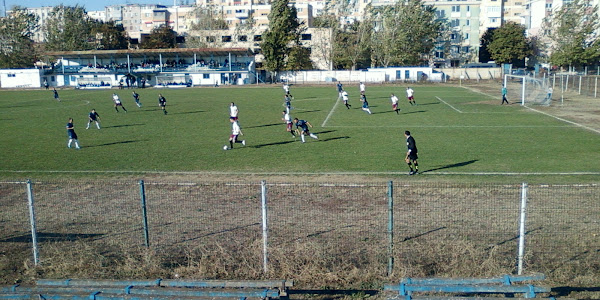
150 67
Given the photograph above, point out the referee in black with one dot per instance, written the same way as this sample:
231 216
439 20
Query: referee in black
411 154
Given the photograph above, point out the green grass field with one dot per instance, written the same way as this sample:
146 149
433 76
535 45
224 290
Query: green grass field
458 133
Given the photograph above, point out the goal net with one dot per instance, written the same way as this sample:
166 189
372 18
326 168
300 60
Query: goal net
173 81
526 90
94 82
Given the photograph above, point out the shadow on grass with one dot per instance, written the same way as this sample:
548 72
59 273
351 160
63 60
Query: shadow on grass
514 238
413 112
307 111
266 125
50 237
187 112
219 232
325 131
563 291
113 143
460 164
271 144
384 112
408 238
124 125
335 138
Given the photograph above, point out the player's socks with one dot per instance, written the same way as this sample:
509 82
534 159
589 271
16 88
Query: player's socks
314 136
117 109
302 137
230 144
69 143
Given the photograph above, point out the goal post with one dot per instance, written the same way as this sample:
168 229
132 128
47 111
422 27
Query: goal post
528 90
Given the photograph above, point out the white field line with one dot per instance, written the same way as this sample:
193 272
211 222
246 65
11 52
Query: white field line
546 114
564 120
301 173
456 109
451 126
330 113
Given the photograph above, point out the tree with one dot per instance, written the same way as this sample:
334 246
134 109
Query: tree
353 45
484 41
161 37
404 34
281 37
509 44
109 36
572 32
68 28
16 45
206 18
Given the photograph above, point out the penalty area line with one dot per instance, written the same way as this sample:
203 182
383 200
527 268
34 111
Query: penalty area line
456 109
565 120
330 113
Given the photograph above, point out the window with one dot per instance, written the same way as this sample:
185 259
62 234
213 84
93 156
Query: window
306 37
206 76
439 54
455 23
467 36
299 9
440 14
11 75
228 11
549 5
468 8
455 8
226 38
210 39
468 22
493 20
257 38
453 36
465 49
243 38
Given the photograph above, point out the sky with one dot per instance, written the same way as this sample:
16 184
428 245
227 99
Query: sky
89 5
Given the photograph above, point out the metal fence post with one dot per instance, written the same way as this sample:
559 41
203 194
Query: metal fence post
263 191
390 267
144 214
36 259
522 228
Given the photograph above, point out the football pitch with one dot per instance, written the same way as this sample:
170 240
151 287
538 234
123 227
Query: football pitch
458 133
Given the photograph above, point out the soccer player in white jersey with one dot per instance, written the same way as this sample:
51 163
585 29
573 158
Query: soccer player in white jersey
118 102
288 122
233 111
362 88
235 132
395 100
345 99
410 94
286 88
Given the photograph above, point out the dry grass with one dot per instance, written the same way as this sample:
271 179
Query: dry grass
323 236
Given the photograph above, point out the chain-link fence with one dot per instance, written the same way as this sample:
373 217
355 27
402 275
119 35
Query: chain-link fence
586 85
421 229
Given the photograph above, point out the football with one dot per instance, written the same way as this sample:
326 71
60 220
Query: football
225 147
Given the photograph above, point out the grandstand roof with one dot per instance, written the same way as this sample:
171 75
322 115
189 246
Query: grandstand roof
174 52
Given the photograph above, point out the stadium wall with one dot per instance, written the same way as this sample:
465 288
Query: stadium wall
20 78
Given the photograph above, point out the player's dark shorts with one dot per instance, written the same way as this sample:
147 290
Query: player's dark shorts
233 118
118 104
289 126
413 156
411 98
72 135
162 104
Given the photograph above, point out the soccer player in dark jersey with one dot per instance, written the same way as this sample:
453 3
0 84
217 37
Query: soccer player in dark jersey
162 102
93 117
72 135
411 153
302 129
365 103
55 94
136 97
287 102
340 89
